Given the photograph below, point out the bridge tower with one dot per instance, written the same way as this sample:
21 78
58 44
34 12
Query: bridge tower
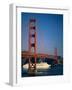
32 40
55 56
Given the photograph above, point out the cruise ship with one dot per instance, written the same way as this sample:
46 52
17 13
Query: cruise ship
41 65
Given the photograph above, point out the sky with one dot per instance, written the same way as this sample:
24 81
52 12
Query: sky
49 29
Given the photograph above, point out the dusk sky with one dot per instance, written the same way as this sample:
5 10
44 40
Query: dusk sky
49 28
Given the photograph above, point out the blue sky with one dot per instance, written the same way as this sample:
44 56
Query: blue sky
49 32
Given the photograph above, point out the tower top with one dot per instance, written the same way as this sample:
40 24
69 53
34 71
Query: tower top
32 20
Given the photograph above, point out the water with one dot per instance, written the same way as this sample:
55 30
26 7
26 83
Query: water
54 70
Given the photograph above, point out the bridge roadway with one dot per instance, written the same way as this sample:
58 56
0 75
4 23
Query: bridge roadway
26 54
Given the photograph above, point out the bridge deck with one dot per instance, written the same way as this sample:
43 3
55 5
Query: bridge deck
38 55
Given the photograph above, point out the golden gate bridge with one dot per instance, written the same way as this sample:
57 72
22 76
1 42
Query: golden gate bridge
32 47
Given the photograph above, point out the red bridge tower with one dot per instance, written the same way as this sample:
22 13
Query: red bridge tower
32 39
55 56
